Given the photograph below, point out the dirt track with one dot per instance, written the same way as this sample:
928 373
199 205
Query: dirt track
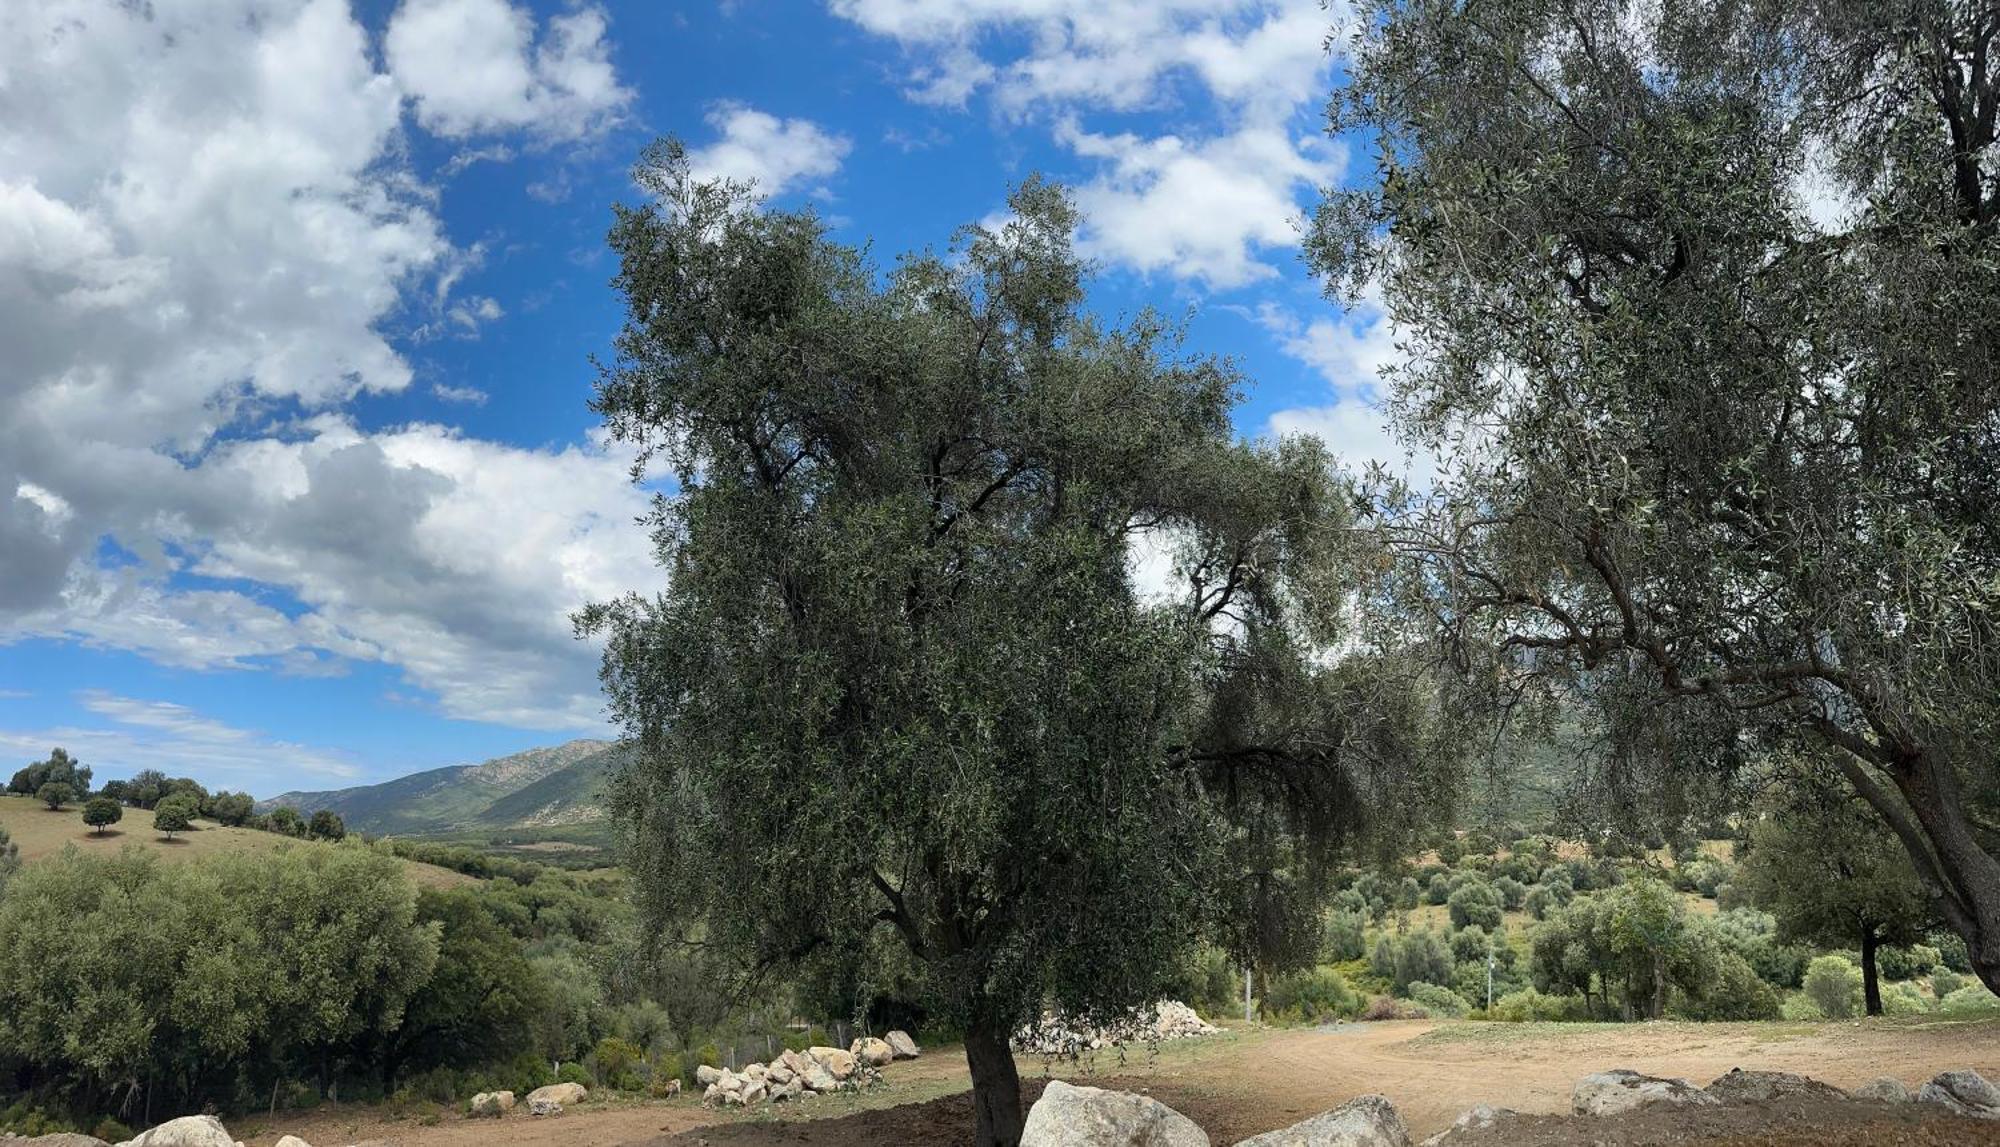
1237 1085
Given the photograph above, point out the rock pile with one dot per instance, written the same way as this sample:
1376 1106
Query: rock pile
794 1075
1964 1093
1168 1020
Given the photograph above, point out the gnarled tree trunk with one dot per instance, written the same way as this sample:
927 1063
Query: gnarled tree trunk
996 1085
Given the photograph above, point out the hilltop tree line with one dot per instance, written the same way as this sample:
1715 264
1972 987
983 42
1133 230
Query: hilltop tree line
176 802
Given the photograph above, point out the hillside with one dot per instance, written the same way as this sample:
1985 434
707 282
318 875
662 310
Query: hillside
40 832
560 785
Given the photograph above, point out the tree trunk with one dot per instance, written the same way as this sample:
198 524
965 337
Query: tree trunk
1949 854
996 1086
1871 986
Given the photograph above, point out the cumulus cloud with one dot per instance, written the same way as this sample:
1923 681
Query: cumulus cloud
1351 353
207 225
176 740
758 147
476 66
1208 203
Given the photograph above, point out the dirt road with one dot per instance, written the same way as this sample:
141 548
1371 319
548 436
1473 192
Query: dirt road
1238 1084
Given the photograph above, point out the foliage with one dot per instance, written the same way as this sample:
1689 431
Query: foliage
1833 984
1719 471
1476 904
1438 1001
1734 992
55 794
900 675
102 812
57 768
1531 1006
174 814
1311 995
1945 982
326 825
285 821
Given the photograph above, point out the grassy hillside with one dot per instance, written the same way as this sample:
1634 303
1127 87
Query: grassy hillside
41 833
561 782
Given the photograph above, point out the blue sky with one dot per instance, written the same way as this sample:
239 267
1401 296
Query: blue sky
297 482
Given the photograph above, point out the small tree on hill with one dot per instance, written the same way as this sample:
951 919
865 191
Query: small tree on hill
285 821
326 825
172 815
58 768
102 812
55 794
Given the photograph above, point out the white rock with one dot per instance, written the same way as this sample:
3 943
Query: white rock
187 1131
1365 1121
1067 1116
817 1078
779 1074
1887 1089
489 1104
291 1141
563 1093
872 1052
1610 1092
902 1045
705 1075
1965 1092
841 1063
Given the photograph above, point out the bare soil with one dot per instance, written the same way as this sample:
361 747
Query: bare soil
1238 1084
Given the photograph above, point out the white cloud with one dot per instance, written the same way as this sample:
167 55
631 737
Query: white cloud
1201 210
1352 353
207 223
1209 202
771 152
176 740
470 395
475 67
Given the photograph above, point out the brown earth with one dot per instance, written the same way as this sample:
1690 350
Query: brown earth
1236 1085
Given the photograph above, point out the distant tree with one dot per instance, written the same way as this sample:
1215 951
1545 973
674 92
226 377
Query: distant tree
1833 985
188 787
326 825
1821 864
172 815
146 787
232 809
120 791
58 768
1476 903
55 794
906 511
285 821
101 812
1719 468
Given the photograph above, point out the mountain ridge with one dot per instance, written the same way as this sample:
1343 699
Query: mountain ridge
541 787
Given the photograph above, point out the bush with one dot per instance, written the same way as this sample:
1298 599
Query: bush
1833 984
709 1055
1390 1008
616 1063
101 812
1476 903
1422 956
1904 998
1970 997
1706 876
1438 1000
55 794
1735 992
573 1073
1512 892
1530 1006
1438 890
1312 995
1344 937
1944 981
111 1131
1951 951
1906 963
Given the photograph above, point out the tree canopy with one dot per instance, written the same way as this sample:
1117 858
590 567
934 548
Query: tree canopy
902 674
1701 311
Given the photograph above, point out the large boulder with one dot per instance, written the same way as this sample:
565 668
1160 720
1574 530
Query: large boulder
187 1131
1965 1092
1477 1118
841 1063
1610 1092
872 1052
1366 1121
1887 1089
705 1075
291 1141
1739 1086
902 1045
487 1104
817 1078
1067 1116
54 1139
563 1093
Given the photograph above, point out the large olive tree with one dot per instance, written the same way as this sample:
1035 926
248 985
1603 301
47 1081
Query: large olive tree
902 674
1702 304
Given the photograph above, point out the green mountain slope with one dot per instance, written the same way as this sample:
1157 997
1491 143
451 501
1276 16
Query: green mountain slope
562 784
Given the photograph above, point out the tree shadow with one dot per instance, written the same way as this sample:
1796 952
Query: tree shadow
107 834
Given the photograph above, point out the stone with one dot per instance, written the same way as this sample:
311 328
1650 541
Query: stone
817 1078
1966 1092
841 1063
755 1071
563 1093
1365 1121
291 1141
712 1096
902 1045
543 1106
1069 1116
755 1092
872 1052
1477 1118
1887 1089
1739 1086
796 1062
487 1104
1610 1092
187 1131
786 1090
705 1075
778 1073
54 1139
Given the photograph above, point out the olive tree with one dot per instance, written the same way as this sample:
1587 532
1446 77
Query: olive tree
902 674
1701 313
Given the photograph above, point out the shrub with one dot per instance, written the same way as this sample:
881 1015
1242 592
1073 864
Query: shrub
670 1065
1421 955
1904 998
1706 876
1833 984
573 1073
111 1131
1735 992
709 1055
1972 996
1529 1005
1450 851
101 812
1512 892
1344 937
1951 951
55 794
1390 1008
1438 1000
1906 963
1438 890
1944 981
617 1062
1476 903
1312 994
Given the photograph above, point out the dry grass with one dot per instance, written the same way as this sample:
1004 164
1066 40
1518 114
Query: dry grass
40 832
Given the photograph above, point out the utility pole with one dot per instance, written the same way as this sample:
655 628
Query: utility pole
1489 974
1246 994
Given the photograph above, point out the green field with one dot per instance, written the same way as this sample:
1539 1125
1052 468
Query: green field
40 832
